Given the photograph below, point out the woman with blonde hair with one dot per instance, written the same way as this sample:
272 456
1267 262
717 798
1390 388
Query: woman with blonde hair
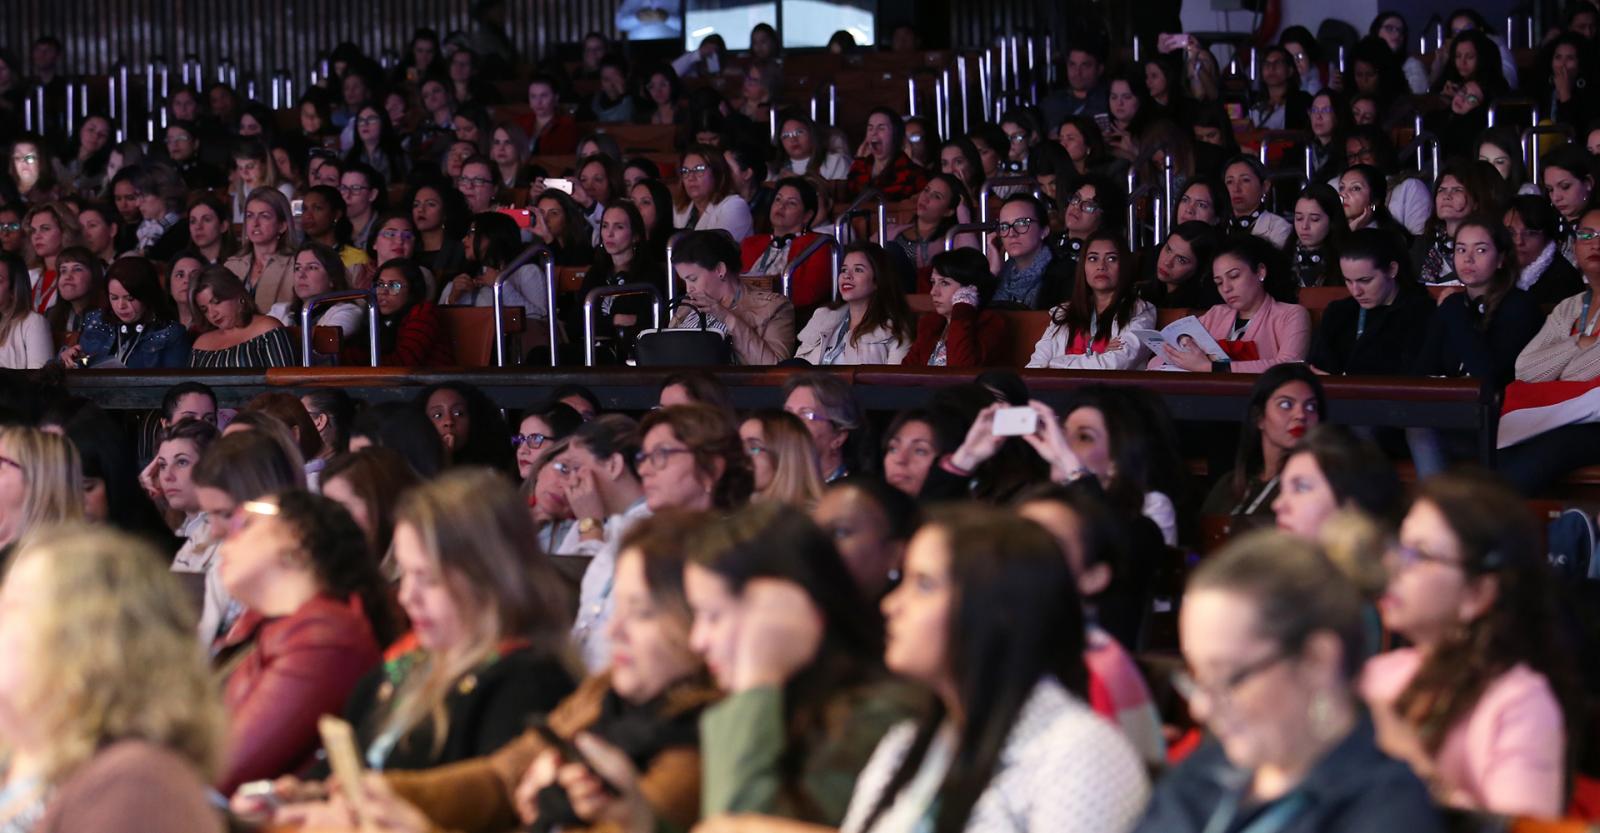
41 483
24 334
110 727
784 459
270 237
233 334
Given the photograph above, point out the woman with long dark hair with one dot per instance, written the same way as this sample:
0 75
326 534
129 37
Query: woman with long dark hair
1181 269
870 323
988 619
470 425
1286 402
1093 328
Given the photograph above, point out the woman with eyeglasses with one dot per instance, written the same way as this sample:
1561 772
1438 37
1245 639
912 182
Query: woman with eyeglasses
1478 703
806 152
783 459
827 406
377 145
709 201
1272 637
365 196
409 331
1390 27
1279 103
394 236
1543 272
690 457
1029 273
1093 328
33 171
316 613
538 429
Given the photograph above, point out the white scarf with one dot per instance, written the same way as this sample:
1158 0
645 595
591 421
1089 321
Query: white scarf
1533 271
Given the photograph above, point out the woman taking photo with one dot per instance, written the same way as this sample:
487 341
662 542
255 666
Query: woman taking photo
267 269
108 727
783 459
759 325
709 202
869 324
960 333
1477 704
977 584
316 612
1381 326
137 329
1182 271
1091 330
25 342
43 489
1256 325
1272 634
235 335
409 331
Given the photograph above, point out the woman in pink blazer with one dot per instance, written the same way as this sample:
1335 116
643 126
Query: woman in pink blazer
1255 329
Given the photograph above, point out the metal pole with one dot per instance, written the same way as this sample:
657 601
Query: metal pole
1016 74
27 114
833 119
911 95
1252 64
1033 74
1341 59
123 84
1310 163
1167 188
547 262
1511 31
938 108
250 89
40 112
1049 60
772 123
150 88
672 278
961 78
1137 57
72 106
1494 111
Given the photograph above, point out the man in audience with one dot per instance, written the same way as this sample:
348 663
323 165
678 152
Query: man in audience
1085 95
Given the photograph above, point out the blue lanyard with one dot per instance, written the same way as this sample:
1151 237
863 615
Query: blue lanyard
1584 327
1361 323
1277 817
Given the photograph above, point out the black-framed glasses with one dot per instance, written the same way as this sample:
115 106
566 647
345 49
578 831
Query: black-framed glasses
534 440
1084 204
366 120
695 171
791 134
1018 227
659 457
10 228
1407 557
354 189
473 182
1220 692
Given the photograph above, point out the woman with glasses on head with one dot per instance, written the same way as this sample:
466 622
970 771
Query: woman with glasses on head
709 202
1477 705
1272 636
783 459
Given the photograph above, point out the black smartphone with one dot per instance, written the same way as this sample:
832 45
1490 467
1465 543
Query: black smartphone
570 753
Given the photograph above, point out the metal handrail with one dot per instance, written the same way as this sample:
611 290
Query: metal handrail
966 228
1154 190
315 301
1530 104
1270 136
1530 145
1421 141
497 290
793 266
672 278
547 262
600 292
855 209
992 183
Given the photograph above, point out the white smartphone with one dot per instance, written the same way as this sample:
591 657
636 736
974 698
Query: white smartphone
559 184
1016 422
297 207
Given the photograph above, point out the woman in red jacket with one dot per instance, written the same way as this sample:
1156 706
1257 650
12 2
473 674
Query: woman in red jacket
769 254
961 333
550 131
317 614
410 333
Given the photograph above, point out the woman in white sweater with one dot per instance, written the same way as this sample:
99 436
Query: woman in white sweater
1566 347
870 323
24 334
1094 329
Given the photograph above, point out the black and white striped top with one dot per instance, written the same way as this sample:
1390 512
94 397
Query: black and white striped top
273 348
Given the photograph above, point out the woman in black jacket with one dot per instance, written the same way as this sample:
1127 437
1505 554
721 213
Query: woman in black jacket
1381 325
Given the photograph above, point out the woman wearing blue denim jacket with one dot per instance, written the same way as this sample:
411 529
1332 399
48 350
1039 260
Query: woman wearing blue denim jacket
136 329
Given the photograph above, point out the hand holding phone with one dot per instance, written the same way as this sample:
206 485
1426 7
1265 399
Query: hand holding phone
1019 421
570 753
560 184
340 742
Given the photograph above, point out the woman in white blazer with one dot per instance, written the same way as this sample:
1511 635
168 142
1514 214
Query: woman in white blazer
870 323
1097 328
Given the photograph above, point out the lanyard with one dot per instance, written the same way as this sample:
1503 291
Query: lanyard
47 288
1584 325
1277 817
1361 323
1238 328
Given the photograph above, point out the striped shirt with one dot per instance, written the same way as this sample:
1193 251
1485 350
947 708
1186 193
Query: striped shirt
272 348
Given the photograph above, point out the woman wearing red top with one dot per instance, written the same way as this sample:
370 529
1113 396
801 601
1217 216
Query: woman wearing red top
960 333
409 331
769 254
882 164
317 612
551 132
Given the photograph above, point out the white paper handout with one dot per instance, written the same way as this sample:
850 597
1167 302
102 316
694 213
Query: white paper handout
1185 332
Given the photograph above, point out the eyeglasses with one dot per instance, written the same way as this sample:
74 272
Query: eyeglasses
1084 204
809 415
473 182
791 134
1320 111
566 469
26 158
354 189
10 228
1471 99
1015 227
389 287
1583 235
755 450
534 440
1407 557
1220 693
695 171
366 120
397 234
1017 138
658 458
